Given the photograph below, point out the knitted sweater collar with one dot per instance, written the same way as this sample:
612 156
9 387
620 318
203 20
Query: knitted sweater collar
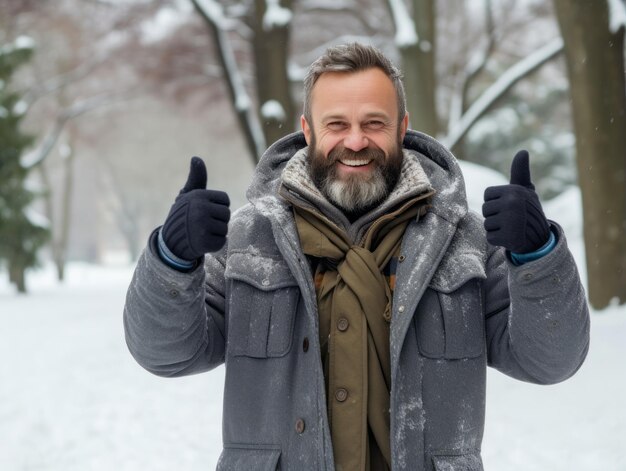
297 186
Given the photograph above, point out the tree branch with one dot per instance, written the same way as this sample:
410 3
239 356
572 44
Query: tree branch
477 63
213 15
499 88
37 156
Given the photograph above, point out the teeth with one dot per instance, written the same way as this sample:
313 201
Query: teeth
355 163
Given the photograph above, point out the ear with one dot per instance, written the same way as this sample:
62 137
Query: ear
404 124
306 129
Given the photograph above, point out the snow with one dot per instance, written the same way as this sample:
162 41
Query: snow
21 42
214 11
617 15
406 34
72 397
24 42
165 22
477 178
495 91
20 108
275 15
272 109
36 218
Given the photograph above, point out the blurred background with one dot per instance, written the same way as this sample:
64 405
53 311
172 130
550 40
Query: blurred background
103 102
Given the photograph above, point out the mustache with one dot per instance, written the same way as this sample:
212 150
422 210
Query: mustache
369 153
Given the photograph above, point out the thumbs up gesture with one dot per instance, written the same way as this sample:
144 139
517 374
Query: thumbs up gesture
198 220
513 215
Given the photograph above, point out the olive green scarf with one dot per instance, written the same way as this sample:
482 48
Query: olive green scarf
354 303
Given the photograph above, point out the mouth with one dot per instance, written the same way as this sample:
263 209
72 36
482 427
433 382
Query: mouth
356 163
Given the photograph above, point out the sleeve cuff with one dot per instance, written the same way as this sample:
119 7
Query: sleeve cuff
522 258
170 259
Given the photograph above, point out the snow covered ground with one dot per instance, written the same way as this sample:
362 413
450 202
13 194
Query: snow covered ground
72 398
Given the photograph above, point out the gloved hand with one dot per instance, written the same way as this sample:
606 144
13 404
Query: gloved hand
513 215
198 220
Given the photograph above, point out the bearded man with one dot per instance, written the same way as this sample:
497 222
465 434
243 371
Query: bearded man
355 300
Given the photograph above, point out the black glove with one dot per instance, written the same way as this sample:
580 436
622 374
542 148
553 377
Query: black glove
198 220
513 215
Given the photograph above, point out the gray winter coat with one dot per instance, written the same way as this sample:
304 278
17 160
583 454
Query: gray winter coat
459 305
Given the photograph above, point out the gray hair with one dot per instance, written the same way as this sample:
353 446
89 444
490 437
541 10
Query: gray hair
349 58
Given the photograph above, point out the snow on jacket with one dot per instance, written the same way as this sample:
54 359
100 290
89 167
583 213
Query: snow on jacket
458 306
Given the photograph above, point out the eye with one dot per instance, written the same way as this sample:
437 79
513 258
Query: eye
374 124
336 125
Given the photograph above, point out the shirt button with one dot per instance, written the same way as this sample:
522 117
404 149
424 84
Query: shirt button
300 426
305 345
265 282
401 258
527 276
341 394
173 293
401 309
343 324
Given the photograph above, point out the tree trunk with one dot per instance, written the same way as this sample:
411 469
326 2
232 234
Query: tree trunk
60 252
17 276
595 65
271 53
418 64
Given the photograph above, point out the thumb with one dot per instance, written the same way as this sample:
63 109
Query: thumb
197 176
520 170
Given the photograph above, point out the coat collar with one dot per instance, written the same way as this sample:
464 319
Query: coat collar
440 168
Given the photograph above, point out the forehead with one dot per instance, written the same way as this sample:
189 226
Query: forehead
346 92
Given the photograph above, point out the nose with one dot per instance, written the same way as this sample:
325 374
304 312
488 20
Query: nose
355 140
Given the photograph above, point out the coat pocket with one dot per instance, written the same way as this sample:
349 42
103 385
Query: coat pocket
249 459
450 321
262 303
465 462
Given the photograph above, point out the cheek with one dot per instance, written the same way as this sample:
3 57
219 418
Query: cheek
386 143
326 144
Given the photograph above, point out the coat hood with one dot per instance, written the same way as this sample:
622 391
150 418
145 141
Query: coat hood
440 166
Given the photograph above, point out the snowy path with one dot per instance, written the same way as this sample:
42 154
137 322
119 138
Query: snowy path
72 398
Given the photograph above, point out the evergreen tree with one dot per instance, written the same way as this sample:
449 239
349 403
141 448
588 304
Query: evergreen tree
20 238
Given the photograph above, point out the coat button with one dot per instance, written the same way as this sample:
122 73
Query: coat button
401 309
343 324
305 345
265 282
300 426
401 258
341 394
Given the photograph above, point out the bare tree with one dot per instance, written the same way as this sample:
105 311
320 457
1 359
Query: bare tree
213 15
60 235
271 22
415 38
594 49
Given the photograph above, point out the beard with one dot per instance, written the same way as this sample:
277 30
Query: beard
355 194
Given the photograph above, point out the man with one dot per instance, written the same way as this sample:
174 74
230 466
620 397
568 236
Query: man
356 301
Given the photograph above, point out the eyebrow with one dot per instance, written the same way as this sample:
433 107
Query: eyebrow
370 115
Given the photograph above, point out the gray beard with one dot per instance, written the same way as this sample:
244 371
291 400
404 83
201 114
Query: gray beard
355 195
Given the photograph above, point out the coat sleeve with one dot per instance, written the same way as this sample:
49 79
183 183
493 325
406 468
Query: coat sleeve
173 321
537 318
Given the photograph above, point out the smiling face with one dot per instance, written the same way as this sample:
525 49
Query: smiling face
355 138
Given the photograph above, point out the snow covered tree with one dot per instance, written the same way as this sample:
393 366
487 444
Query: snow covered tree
271 25
20 237
416 42
594 48
274 115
